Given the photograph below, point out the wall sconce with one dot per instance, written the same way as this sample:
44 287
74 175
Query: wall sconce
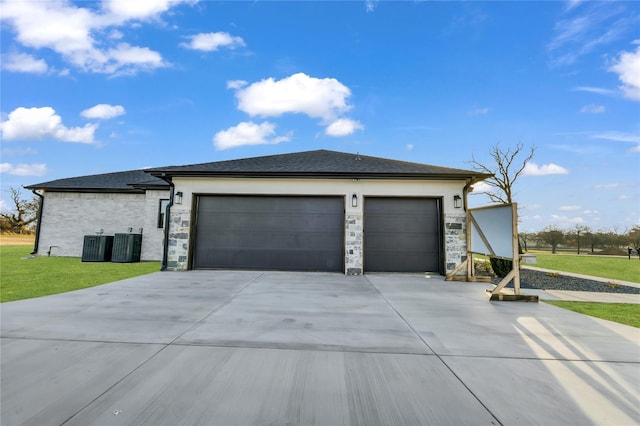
178 197
354 200
457 201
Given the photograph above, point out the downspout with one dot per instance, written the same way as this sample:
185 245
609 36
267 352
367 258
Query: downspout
167 225
465 194
40 208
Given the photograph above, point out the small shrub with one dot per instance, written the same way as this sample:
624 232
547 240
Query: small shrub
501 267
482 267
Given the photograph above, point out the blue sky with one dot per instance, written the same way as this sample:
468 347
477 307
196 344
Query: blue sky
96 87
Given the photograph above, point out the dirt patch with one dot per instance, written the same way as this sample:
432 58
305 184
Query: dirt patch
16 240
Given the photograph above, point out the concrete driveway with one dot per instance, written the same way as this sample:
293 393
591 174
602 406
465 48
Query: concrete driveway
243 348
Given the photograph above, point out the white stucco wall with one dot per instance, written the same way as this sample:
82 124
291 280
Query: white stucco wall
68 217
455 244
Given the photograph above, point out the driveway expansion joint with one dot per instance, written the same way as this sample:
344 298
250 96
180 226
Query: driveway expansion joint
477 398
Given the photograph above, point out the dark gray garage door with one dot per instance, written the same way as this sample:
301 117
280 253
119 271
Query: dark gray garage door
255 232
402 235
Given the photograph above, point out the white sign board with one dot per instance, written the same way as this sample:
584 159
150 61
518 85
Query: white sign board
492 230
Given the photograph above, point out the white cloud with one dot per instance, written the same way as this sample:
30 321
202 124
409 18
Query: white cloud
569 208
103 111
236 84
608 186
481 187
209 42
371 5
23 62
410 147
571 4
126 59
532 207
567 219
83 36
479 111
593 109
596 90
36 169
532 169
43 123
618 136
247 133
324 98
593 26
140 9
17 151
627 66
343 127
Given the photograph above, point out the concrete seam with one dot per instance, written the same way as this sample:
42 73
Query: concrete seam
165 346
432 350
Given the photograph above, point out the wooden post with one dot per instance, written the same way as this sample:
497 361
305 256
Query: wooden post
516 251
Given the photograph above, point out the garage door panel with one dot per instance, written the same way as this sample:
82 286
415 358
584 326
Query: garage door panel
252 232
402 235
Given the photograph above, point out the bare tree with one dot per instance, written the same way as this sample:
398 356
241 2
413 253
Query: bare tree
574 235
552 236
24 213
505 171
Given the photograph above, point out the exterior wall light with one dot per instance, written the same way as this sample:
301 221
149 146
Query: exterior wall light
354 200
457 201
178 197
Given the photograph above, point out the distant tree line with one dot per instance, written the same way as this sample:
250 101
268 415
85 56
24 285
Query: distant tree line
582 240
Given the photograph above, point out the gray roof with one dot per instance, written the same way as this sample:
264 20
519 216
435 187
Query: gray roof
320 163
135 181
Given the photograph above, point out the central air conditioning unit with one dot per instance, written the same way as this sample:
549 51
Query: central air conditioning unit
97 248
127 248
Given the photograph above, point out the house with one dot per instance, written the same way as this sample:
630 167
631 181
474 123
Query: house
315 211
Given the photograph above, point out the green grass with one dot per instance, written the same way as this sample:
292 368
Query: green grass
623 313
615 268
41 276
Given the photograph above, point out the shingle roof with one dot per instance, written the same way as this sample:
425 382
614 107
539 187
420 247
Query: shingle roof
130 181
320 163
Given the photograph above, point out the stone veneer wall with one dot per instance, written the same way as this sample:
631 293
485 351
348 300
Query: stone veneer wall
455 242
179 229
353 244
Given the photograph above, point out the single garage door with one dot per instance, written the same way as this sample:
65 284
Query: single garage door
402 235
270 232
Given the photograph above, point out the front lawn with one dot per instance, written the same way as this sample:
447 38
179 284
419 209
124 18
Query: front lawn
22 277
615 268
624 313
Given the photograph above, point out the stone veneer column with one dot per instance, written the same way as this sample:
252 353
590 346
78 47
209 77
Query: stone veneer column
455 242
353 244
177 258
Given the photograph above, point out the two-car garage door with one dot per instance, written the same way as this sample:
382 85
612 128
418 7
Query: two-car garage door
269 232
307 233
